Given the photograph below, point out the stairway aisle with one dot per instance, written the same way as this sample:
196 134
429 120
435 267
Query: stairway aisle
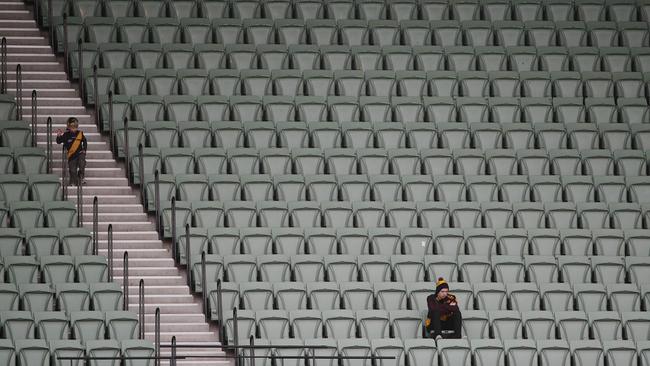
134 231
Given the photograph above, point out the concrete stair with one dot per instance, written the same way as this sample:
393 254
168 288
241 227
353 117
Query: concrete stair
119 203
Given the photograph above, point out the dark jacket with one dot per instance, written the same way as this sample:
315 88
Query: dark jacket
67 138
441 307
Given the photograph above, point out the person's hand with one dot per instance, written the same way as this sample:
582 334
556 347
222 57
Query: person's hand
59 132
453 303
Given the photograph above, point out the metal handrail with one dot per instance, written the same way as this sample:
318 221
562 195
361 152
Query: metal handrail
3 66
127 160
49 145
204 277
141 171
110 120
220 322
34 115
157 335
64 172
141 316
188 253
35 2
50 14
95 225
175 253
19 92
95 97
66 51
252 351
174 357
80 71
157 201
80 204
110 252
125 280
235 328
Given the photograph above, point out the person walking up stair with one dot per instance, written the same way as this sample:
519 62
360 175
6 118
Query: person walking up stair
75 143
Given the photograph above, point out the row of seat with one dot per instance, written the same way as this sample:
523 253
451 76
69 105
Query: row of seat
396 135
391 188
392 296
81 325
39 352
414 241
374 109
384 83
45 241
300 214
33 187
68 297
54 269
26 215
378 324
349 32
381 162
337 57
23 160
464 268
14 133
447 352
360 9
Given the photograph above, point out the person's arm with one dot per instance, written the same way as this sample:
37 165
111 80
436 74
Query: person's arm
84 144
60 137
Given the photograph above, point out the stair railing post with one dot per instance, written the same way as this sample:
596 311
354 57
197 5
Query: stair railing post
34 115
80 72
252 352
64 172
204 277
125 279
110 252
96 97
65 43
80 206
157 336
141 171
19 92
141 308
157 200
110 120
220 321
188 252
173 360
49 145
3 66
174 230
36 15
95 225
50 14
235 333
313 357
127 160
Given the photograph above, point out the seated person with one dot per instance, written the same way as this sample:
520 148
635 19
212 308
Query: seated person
444 319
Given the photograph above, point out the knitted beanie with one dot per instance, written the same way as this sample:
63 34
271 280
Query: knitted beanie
441 284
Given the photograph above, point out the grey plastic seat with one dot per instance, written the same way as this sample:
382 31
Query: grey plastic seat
506 324
121 325
341 268
523 296
624 297
273 324
557 296
541 269
538 325
31 351
373 324
21 269
339 324
475 324
290 296
521 351
274 268
35 297
572 325
444 266
606 326
106 296
65 348
73 297
554 352
308 268
51 325
620 352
